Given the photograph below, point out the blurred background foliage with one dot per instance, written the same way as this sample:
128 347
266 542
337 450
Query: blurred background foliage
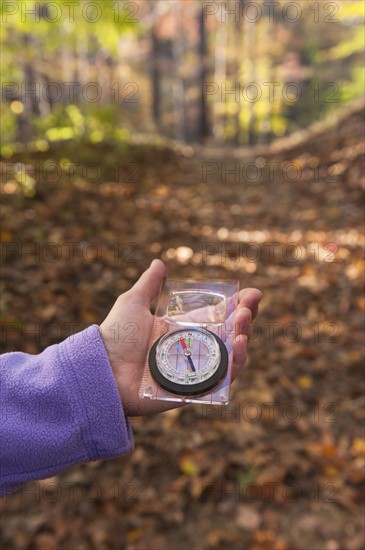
103 70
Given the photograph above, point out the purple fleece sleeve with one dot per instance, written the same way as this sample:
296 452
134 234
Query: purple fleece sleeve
57 409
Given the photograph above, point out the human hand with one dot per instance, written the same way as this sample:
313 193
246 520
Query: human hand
127 356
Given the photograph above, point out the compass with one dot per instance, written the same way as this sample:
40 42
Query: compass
188 361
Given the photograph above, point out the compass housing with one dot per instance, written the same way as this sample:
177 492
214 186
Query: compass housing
190 354
218 367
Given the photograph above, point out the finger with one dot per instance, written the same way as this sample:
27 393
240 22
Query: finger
239 354
149 284
242 321
250 298
247 308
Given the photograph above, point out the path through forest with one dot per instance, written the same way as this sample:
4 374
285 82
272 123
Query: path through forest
283 466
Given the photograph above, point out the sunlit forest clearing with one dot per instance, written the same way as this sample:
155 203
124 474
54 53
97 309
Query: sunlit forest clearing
230 146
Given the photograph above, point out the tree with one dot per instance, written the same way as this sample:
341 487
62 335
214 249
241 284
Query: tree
204 130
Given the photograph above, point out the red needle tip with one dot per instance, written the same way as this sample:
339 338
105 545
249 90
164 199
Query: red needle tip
183 343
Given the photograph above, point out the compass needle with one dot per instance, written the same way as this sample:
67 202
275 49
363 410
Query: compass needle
187 353
191 363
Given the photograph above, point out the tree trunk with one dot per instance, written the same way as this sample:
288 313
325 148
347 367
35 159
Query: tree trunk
250 36
203 73
220 76
237 33
179 95
155 78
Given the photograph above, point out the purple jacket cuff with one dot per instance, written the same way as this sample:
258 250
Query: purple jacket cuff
106 430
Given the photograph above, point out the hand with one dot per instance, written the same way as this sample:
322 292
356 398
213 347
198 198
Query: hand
127 358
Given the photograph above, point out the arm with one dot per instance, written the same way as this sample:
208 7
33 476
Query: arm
70 403
59 408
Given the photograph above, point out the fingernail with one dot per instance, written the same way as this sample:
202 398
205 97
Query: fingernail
156 261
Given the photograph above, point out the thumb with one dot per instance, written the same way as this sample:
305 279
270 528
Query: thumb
149 283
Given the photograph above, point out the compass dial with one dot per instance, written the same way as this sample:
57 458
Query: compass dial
188 361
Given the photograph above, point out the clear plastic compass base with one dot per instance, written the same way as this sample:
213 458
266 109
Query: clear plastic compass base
192 304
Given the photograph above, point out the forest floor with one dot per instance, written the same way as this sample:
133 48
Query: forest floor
282 467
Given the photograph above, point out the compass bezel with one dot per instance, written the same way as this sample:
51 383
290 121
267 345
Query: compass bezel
200 388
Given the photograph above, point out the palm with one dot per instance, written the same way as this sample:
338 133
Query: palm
128 355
